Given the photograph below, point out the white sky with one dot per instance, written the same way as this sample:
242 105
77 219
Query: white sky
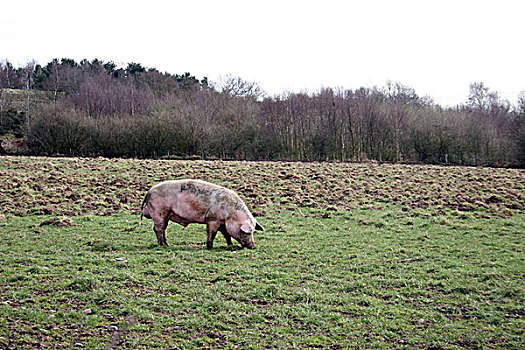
436 47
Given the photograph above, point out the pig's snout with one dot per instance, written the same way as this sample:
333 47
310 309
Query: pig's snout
249 244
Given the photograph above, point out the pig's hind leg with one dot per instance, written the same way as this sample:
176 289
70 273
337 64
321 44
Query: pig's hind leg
159 226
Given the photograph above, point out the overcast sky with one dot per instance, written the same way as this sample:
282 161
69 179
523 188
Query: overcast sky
436 47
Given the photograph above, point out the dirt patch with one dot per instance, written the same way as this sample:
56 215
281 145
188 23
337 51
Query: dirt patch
78 186
64 221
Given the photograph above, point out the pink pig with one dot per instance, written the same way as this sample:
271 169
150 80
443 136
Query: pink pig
194 201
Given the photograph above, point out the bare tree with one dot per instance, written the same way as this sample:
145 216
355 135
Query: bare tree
27 78
519 130
238 87
399 99
480 97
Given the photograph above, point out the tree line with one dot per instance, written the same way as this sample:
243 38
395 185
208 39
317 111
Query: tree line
94 108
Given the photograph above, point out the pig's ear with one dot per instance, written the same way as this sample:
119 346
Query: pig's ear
258 227
247 227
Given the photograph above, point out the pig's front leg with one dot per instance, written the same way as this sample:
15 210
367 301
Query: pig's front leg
226 235
211 229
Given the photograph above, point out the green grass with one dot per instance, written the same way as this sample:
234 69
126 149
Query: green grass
326 279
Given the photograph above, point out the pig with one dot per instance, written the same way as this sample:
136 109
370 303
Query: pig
195 201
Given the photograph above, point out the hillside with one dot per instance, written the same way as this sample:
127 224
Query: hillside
139 112
14 105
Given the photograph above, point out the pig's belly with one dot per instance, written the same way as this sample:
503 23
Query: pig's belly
185 221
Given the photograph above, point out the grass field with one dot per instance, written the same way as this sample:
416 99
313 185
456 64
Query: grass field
353 256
